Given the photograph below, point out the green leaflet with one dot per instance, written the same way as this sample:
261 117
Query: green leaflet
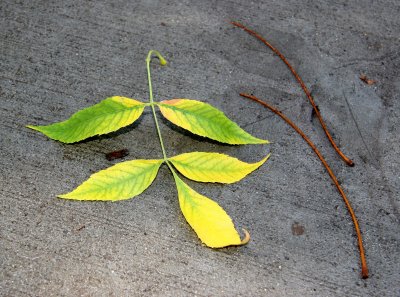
107 116
213 167
209 220
121 181
205 120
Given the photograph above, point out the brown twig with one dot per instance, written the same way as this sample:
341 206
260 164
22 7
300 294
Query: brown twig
303 86
364 268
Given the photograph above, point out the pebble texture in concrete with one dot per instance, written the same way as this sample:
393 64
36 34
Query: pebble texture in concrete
57 57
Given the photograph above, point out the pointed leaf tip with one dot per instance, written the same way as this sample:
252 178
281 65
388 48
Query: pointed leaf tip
211 223
205 120
107 116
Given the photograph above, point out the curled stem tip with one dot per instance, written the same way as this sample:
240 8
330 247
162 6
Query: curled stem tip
348 161
158 55
364 267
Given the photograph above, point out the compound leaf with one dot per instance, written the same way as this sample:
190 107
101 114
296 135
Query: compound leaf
107 116
121 181
213 167
210 222
205 120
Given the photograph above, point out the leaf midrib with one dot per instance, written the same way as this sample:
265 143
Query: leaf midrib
119 181
104 114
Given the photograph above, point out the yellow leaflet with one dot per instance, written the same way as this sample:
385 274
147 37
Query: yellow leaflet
121 181
210 222
205 120
213 167
107 116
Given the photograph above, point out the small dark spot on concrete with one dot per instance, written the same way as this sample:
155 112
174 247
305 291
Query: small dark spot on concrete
67 157
384 211
297 229
313 113
117 154
364 158
163 24
81 228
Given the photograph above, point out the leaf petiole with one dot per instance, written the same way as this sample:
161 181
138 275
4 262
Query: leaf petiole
162 63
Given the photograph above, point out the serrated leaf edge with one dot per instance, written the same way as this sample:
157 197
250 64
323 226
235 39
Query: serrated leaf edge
243 241
256 166
165 104
139 105
70 195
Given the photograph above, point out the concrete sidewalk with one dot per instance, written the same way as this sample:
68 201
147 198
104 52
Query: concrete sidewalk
57 57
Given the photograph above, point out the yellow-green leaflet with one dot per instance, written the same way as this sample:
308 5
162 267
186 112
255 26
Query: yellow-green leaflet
205 120
210 222
213 167
107 116
121 181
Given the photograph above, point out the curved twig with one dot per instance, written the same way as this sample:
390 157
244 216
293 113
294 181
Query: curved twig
364 267
303 86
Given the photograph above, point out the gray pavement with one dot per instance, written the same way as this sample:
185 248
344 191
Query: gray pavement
57 57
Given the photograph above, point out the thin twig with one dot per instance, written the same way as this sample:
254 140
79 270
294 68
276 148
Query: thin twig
303 86
364 268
